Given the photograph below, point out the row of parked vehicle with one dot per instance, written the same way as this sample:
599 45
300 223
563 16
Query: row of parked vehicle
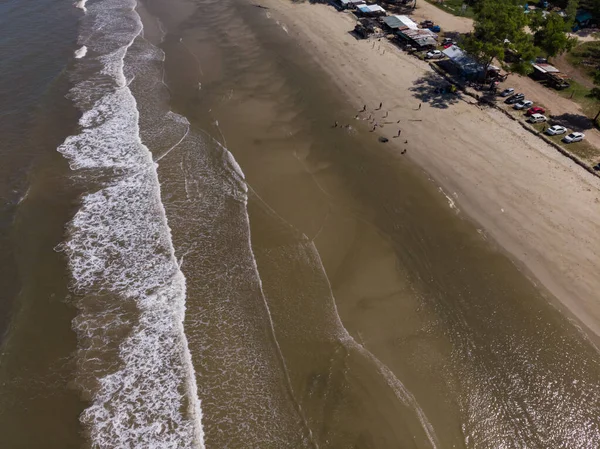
535 114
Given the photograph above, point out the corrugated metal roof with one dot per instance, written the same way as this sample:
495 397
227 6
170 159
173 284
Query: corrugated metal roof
422 37
459 57
545 68
371 8
453 52
400 22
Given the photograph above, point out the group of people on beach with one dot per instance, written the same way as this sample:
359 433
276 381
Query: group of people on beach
373 121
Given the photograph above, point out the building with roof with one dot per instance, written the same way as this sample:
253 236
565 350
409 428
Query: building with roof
464 64
396 23
371 10
547 72
543 69
419 38
350 4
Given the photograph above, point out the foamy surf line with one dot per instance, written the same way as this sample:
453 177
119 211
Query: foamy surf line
81 5
80 52
134 363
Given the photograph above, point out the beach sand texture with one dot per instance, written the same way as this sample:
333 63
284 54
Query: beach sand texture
535 203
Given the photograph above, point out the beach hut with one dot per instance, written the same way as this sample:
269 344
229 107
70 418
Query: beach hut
422 39
371 10
465 66
350 4
541 71
396 23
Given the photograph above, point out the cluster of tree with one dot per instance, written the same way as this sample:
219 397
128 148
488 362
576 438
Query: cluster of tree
502 28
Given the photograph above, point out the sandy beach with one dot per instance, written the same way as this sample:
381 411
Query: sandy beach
206 245
536 204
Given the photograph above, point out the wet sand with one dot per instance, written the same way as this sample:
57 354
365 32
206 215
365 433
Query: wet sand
274 280
537 205
354 305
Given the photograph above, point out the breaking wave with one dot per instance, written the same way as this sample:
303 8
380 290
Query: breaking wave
80 52
134 366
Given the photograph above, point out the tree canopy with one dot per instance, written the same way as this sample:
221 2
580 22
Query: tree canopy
550 33
500 28
595 92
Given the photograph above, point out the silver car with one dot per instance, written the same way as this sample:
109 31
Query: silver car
573 137
555 130
523 104
537 118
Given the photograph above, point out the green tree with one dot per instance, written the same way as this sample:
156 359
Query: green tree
595 92
571 11
550 33
500 29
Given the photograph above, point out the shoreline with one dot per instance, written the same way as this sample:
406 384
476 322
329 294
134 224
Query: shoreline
520 194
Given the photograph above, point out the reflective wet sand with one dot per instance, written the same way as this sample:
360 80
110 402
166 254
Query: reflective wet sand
334 299
439 324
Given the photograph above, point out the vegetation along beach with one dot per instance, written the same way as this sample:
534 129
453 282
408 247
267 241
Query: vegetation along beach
289 224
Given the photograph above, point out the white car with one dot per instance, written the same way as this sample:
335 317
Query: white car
555 130
434 54
537 118
573 137
523 104
507 92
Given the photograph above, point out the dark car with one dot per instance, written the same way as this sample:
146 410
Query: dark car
514 99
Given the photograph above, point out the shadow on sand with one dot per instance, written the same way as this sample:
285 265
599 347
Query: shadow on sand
433 89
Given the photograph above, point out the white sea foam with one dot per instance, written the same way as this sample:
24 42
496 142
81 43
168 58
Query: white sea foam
133 359
451 202
81 5
80 52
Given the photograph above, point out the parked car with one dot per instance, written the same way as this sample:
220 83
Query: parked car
555 130
507 92
434 54
573 137
514 99
535 110
523 104
537 118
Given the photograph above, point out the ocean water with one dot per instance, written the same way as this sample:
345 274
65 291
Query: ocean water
204 262
133 359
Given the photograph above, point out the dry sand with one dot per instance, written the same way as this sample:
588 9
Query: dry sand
445 20
534 202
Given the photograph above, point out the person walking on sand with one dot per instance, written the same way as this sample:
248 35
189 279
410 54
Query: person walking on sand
380 106
406 141
399 132
420 104
335 125
364 109
386 114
